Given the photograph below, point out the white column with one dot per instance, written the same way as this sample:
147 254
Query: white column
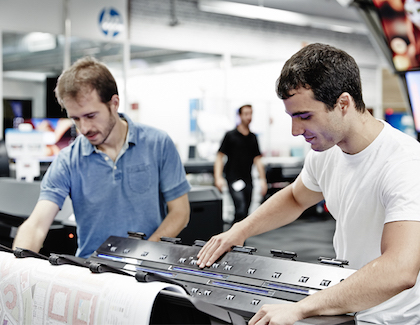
67 36
378 110
126 67
227 66
1 85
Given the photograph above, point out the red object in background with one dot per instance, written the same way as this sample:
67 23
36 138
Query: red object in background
389 111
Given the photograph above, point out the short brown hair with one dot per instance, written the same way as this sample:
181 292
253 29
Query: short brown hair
86 74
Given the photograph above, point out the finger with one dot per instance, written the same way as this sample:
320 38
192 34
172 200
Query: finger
213 251
204 250
255 318
217 250
206 255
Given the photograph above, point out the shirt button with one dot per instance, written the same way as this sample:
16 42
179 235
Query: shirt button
115 167
106 158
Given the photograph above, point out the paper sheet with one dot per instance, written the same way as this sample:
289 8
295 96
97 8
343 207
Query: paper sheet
32 291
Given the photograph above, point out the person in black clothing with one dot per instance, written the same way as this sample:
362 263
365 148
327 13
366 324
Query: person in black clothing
241 148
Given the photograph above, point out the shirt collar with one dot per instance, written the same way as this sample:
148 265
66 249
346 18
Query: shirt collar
88 148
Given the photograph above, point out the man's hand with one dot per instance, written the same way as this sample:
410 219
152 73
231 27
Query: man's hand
218 245
219 182
264 186
279 314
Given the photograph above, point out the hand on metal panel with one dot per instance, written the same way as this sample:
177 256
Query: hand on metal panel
217 246
279 314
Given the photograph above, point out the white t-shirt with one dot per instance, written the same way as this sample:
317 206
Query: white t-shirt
363 192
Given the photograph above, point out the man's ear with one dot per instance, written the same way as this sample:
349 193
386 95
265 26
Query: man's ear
115 102
344 102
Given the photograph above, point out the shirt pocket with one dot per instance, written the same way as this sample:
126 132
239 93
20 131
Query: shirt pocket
139 178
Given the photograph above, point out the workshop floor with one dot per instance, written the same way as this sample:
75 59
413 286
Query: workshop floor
309 238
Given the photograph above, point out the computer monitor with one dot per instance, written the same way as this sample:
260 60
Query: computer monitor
399 20
64 134
412 82
37 140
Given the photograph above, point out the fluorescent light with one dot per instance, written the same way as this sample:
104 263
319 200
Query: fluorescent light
25 75
345 3
281 16
37 41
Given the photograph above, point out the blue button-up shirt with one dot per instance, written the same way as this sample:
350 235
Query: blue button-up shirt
111 198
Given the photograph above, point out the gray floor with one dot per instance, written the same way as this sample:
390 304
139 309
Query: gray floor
309 238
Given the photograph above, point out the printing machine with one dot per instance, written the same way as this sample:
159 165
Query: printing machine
240 281
231 291
67 288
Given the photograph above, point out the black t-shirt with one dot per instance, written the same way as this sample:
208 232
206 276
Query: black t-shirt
240 150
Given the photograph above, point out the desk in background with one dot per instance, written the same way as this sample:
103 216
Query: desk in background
18 198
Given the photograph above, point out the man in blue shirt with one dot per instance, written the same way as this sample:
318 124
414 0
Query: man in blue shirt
121 176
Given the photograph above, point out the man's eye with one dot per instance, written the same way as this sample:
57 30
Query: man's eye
90 116
305 117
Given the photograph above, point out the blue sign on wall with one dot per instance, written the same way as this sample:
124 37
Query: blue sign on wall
194 107
110 22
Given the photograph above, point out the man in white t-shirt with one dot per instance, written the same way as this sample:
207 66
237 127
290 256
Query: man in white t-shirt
369 175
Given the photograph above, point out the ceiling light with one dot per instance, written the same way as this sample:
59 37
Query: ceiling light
281 16
37 42
345 3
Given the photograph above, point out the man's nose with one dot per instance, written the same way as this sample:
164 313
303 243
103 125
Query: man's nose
297 128
83 126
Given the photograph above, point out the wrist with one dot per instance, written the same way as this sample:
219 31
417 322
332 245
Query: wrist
305 309
241 229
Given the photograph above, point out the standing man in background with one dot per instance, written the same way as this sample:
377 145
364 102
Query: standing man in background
241 148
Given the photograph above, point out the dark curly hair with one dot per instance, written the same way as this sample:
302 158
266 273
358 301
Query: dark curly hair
324 69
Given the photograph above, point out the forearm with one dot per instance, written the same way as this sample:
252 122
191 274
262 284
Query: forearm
261 172
268 216
219 181
176 219
375 283
218 166
366 288
394 271
29 237
260 168
32 233
171 226
279 210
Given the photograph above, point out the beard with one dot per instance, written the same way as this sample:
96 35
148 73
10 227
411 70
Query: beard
106 132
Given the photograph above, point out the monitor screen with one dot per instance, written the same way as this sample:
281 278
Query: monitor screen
412 80
64 131
400 20
58 133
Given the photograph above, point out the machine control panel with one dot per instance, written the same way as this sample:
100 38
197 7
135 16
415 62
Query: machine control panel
239 280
